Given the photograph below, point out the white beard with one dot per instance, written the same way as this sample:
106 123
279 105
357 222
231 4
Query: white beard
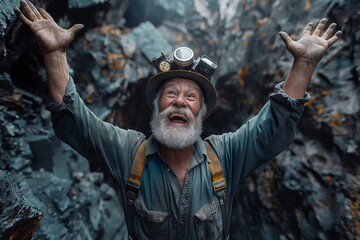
175 137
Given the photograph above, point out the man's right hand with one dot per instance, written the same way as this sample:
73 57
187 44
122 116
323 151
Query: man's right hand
54 41
48 34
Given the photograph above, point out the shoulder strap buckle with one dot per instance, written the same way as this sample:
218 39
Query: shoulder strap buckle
218 179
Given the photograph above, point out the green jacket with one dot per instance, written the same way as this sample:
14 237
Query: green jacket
164 210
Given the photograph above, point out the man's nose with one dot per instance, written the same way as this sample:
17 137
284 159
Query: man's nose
180 101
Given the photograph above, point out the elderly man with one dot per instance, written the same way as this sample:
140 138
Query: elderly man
175 185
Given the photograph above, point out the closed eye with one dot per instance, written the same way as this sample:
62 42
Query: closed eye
192 97
171 94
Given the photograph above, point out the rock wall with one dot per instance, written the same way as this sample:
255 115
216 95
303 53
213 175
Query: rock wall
310 191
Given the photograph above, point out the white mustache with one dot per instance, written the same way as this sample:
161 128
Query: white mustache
175 137
179 111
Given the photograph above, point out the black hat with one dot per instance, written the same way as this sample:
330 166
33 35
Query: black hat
183 66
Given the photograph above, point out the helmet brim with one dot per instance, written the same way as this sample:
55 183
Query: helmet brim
205 84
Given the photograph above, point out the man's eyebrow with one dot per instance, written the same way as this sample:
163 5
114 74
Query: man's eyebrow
193 87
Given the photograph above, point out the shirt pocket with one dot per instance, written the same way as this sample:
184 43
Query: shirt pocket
149 224
208 221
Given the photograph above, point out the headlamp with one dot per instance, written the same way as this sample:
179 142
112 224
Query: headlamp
183 59
184 66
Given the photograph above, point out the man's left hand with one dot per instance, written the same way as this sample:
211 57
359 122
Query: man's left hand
311 46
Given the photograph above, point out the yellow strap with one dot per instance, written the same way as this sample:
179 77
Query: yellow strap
218 178
138 164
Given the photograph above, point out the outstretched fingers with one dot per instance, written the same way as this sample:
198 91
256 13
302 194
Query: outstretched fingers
27 11
22 18
329 31
320 27
334 38
328 35
307 29
35 11
75 28
45 14
285 37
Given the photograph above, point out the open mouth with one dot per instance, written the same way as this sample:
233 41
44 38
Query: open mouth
178 118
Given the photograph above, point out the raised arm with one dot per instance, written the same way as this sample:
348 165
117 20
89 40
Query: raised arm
307 52
54 41
73 121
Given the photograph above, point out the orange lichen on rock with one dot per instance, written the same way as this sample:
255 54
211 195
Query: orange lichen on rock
329 179
242 72
115 61
179 36
320 109
324 93
310 102
110 30
335 120
260 22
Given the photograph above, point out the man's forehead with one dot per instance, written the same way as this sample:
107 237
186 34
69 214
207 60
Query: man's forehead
178 81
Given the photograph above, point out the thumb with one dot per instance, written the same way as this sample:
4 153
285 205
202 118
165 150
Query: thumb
75 29
285 37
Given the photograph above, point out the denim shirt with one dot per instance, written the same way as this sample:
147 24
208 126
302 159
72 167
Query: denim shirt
164 209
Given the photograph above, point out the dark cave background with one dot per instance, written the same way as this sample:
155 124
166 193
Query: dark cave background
310 191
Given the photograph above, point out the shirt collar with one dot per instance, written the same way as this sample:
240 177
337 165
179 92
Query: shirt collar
152 146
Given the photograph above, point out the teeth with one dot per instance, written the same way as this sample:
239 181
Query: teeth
177 115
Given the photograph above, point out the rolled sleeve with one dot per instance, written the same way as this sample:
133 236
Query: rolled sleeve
68 98
261 138
280 96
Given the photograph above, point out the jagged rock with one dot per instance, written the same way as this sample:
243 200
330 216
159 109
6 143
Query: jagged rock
85 3
6 17
42 149
149 40
141 11
6 84
18 219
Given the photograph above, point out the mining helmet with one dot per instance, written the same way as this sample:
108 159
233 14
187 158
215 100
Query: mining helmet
184 66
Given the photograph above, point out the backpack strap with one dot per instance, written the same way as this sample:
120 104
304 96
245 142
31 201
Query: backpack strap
134 181
218 179
219 185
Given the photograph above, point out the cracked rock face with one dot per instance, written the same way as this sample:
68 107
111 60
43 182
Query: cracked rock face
310 191
18 218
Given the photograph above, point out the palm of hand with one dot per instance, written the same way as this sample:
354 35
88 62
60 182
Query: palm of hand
312 46
50 36
308 48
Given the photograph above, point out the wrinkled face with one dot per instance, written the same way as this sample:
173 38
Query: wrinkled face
179 111
181 93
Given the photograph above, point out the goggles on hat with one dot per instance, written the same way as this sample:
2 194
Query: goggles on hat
184 66
183 59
